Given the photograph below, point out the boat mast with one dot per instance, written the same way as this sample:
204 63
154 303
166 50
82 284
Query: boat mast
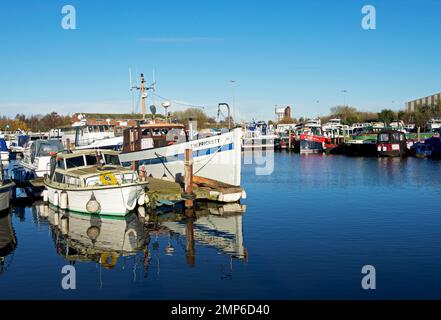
143 96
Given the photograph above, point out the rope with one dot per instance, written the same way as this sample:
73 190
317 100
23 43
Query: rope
163 163
208 161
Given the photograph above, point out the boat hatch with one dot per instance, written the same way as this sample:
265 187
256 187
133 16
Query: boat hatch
119 178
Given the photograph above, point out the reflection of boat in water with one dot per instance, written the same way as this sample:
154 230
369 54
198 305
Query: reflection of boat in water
103 240
95 238
8 241
216 226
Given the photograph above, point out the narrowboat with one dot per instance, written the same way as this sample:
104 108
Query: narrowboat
391 143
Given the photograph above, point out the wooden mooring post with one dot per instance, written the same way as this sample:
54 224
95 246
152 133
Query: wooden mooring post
188 194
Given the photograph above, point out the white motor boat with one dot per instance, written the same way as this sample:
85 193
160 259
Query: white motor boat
83 135
6 188
93 182
257 136
434 124
37 155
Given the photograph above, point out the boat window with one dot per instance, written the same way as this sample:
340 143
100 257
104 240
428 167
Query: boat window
101 128
91 160
396 136
72 180
60 164
74 162
383 137
159 132
111 159
146 132
58 177
175 135
46 148
91 129
129 177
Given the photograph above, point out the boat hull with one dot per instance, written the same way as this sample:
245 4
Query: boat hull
113 201
38 170
217 157
310 147
5 195
4 155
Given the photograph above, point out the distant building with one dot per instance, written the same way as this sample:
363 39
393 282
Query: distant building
429 101
283 113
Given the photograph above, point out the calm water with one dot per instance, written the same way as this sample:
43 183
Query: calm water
307 230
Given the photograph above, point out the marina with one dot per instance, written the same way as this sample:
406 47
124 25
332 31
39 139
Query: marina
207 159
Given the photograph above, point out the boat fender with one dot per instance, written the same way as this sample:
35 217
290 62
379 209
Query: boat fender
141 212
93 206
63 200
45 195
56 199
108 260
141 199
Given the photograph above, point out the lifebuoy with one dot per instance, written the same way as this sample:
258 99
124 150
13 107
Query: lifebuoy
108 179
108 260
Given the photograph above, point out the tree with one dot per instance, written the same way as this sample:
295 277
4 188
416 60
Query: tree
194 114
347 114
387 116
286 120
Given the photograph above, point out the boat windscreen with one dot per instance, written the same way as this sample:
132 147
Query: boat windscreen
91 160
74 162
383 137
112 159
47 147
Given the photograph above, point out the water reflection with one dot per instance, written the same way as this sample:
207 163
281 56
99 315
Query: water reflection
143 236
8 241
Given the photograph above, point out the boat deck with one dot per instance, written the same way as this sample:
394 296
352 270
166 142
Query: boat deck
203 189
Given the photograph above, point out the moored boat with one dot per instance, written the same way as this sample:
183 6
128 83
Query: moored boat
4 150
311 137
392 143
6 188
429 148
93 182
37 155
159 148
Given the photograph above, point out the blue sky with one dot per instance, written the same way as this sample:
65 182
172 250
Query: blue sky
298 53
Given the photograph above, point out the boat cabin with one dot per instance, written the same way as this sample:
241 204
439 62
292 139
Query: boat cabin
85 168
83 134
391 143
42 148
155 135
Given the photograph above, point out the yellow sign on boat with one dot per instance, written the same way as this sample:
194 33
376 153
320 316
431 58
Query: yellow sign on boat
108 179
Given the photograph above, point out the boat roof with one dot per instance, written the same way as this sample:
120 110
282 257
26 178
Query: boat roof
162 125
94 170
389 131
88 152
